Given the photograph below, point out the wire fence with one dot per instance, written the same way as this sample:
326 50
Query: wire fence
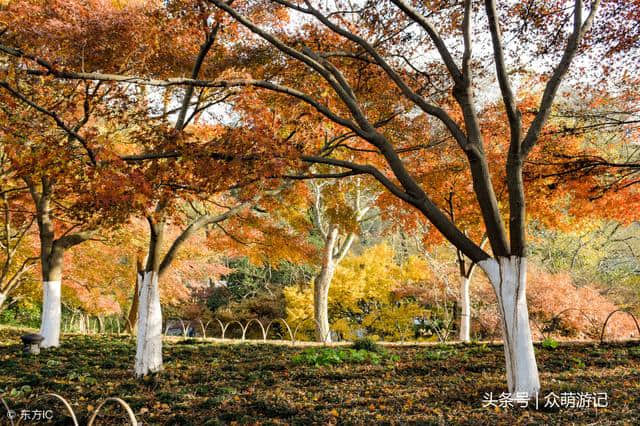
256 329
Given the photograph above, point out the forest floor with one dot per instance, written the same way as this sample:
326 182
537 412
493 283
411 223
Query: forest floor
209 383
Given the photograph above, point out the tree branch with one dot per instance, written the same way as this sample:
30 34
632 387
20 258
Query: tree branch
54 116
579 29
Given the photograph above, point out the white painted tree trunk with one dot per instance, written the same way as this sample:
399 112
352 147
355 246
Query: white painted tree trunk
321 302
51 313
465 309
508 275
149 346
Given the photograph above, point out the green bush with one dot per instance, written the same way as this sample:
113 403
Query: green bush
634 352
438 352
478 349
25 316
549 343
334 356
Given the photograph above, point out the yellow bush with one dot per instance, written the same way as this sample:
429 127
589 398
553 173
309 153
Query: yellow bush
368 280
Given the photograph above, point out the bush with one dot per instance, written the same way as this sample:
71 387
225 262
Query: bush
26 316
549 343
437 353
367 344
332 356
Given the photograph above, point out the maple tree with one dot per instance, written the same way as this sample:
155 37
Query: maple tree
70 198
506 267
160 184
440 174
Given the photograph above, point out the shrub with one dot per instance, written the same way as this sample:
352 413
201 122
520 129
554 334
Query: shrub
438 352
333 356
549 343
367 344
556 306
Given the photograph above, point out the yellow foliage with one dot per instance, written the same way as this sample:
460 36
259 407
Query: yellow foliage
370 278
299 303
394 320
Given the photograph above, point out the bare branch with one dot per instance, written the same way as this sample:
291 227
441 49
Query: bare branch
433 34
513 114
579 29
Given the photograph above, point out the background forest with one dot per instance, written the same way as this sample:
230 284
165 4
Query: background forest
393 285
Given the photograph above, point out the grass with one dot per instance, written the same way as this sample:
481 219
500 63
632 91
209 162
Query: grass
335 356
207 383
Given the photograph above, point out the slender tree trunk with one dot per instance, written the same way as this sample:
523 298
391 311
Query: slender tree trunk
465 309
3 297
133 312
321 288
149 344
70 321
508 275
321 302
465 302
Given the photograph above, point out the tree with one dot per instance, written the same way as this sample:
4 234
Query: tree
369 291
109 29
72 195
337 219
507 268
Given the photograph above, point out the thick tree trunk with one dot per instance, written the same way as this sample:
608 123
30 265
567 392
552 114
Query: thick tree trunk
508 275
149 344
51 313
51 256
321 302
465 309
51 300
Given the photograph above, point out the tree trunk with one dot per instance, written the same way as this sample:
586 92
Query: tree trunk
80 323
51 299
465 309
321 288
70 323
3 297
508 275
51 313
133 312
149 344
321 302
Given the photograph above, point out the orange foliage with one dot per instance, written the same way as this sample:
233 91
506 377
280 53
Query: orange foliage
580 312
